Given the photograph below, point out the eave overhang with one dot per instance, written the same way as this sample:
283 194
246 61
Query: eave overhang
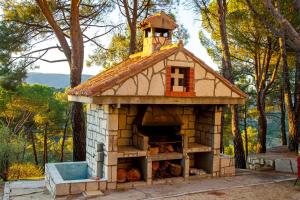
158 100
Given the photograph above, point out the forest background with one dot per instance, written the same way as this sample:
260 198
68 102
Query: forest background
248 41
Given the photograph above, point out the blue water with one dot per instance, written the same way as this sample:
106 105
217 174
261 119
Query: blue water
73 170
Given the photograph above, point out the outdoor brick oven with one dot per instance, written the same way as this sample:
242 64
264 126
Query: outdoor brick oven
157 114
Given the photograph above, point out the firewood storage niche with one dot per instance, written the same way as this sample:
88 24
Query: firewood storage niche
164 142
168 143
160 129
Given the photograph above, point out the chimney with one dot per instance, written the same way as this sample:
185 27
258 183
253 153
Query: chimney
157 32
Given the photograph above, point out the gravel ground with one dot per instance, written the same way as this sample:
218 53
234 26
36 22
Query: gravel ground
273 191
247 185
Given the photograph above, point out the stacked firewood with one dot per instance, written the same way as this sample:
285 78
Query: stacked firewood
165 169
162 148
198 172
131 175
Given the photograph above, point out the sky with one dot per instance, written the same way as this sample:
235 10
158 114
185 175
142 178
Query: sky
184 16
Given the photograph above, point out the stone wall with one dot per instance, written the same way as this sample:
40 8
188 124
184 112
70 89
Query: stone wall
187 115
216 141
97 132
227 165
113 126
102 127
208 133
204 125
273 161
127 114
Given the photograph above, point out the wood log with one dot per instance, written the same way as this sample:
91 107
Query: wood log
170 148
153 150
163 171
162 148
175 169
195 171
121 175
165 164
134 175
155 166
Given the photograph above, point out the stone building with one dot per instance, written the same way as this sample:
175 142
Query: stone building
158 112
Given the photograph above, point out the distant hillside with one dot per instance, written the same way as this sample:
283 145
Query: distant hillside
52 80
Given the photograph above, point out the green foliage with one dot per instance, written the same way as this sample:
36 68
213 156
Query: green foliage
229 150
27 110
252 139
29 23
14 41
250 43
11 146
11 76
252 142
23 171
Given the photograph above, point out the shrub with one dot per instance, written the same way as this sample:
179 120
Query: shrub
229 150
11 146
24 171
252 139
252 142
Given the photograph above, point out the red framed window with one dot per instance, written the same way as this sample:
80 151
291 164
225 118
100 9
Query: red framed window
180 81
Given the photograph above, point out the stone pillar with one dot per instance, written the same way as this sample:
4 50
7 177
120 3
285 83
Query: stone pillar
186 166
112 153
148 169
97 117
216 138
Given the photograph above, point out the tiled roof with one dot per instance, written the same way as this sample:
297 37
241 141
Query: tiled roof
118 73
134 65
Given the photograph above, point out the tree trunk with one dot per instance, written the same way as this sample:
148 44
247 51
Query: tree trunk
24 150
245 130
74 56
78 120
227 72
297 98
132 45
239 154
64 137
262 133
262 124
45 154
33 148
292 135
78 127
5 165
293 140
222 131
132 21
282 117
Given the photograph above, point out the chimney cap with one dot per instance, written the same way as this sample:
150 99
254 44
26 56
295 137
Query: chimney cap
159 20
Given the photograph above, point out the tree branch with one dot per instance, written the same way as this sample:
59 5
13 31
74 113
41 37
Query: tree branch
43 5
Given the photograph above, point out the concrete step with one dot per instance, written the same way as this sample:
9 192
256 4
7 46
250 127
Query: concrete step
92 194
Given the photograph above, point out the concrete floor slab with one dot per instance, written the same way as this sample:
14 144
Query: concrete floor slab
245 178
